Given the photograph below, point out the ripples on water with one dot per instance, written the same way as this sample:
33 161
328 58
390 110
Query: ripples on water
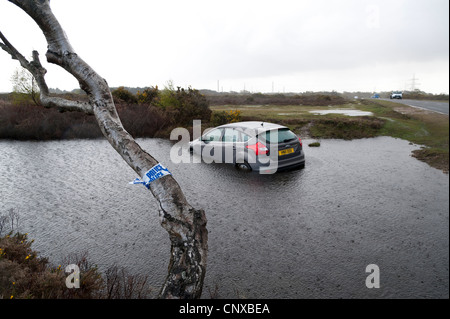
301 234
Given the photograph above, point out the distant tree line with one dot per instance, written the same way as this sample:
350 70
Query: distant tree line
306 99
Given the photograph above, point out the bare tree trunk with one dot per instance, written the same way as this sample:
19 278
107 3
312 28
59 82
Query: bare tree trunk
186 226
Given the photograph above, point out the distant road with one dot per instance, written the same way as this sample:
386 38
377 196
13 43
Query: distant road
439 107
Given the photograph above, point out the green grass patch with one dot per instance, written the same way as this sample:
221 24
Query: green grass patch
314 144
346 128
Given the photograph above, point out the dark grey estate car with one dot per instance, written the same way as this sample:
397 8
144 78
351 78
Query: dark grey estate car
258 146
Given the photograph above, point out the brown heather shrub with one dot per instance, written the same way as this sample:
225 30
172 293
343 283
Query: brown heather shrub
141 120
30 122
25 275
168 109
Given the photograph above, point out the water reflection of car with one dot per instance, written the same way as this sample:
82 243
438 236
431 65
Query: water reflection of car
258 146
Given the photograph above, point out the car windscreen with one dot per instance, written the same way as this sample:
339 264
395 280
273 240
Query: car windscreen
283 135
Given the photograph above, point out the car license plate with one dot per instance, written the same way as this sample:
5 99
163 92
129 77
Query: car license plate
286 151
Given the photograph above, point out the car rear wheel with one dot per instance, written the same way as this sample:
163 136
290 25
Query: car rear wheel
243 166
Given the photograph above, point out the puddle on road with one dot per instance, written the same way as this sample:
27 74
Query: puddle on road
344 112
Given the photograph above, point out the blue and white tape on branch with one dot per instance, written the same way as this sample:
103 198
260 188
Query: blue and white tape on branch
153 174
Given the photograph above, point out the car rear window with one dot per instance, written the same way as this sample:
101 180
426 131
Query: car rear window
278 136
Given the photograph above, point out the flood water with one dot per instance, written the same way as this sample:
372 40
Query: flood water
302 234
344 112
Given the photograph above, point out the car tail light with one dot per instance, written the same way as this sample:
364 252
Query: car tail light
259 148
300 140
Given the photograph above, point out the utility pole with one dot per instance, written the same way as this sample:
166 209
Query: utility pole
414 83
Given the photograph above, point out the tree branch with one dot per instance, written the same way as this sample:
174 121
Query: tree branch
38 72
186 226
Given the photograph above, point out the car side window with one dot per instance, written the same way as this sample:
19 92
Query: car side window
244 137
213 136
231 136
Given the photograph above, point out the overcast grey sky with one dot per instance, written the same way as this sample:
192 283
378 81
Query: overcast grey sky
283 45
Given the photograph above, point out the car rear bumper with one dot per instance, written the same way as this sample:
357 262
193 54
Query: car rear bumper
279 165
